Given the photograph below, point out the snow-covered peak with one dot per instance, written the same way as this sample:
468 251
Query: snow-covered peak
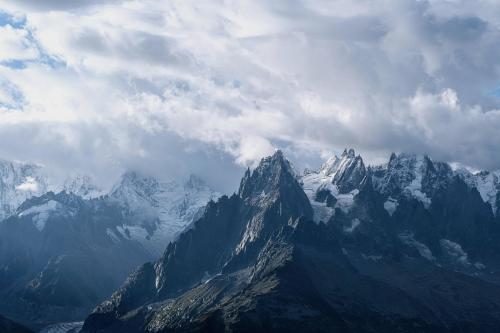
346 173
330 166
410 175
486 183
195 183
172 205
18 182
82 185
405 175
348 153
335 184
134 188
21 181
336 166
419 177
412 169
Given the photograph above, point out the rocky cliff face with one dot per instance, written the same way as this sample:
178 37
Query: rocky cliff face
407 247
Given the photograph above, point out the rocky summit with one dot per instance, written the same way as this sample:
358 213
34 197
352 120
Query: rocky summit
409 246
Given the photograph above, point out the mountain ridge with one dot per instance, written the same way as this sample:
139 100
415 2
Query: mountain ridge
61 254
262 260
383 226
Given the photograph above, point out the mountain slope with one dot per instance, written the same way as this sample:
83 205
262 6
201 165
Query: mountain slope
257 261
58 257
65 244
8 326
427 206
487 184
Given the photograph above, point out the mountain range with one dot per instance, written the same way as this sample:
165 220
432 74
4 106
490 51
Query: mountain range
408 246
61 253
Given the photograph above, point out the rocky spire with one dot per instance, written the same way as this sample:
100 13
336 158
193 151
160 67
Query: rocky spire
271 173
346 172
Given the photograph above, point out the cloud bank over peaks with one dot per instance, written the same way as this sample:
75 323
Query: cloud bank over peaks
104 85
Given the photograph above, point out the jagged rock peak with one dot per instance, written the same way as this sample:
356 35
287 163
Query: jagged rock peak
411 175
65 198
277 160
133 181
269 174
195 182
350 153
346 172
82 185
335 164
136 177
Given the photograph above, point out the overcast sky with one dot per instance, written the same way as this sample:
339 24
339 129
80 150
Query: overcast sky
210 87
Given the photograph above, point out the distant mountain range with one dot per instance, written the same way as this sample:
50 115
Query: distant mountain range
409 246
61 253
21 181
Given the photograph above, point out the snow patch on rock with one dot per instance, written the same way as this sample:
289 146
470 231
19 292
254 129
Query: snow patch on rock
311 183
346 201
455 251
334 172
479 266
423 250
371 257
415 187
390 205
41 213
354 224
404 175
134 232
112 235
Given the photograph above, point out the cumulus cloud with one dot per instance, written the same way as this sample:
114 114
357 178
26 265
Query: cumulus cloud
120 82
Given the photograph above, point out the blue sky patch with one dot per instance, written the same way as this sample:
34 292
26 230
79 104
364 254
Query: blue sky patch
8 19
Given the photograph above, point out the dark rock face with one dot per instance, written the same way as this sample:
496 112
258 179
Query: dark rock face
326 197
413 252
57 260
352 172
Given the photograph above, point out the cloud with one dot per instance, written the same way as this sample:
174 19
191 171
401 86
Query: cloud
47 5
30 184
118 82
15 45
